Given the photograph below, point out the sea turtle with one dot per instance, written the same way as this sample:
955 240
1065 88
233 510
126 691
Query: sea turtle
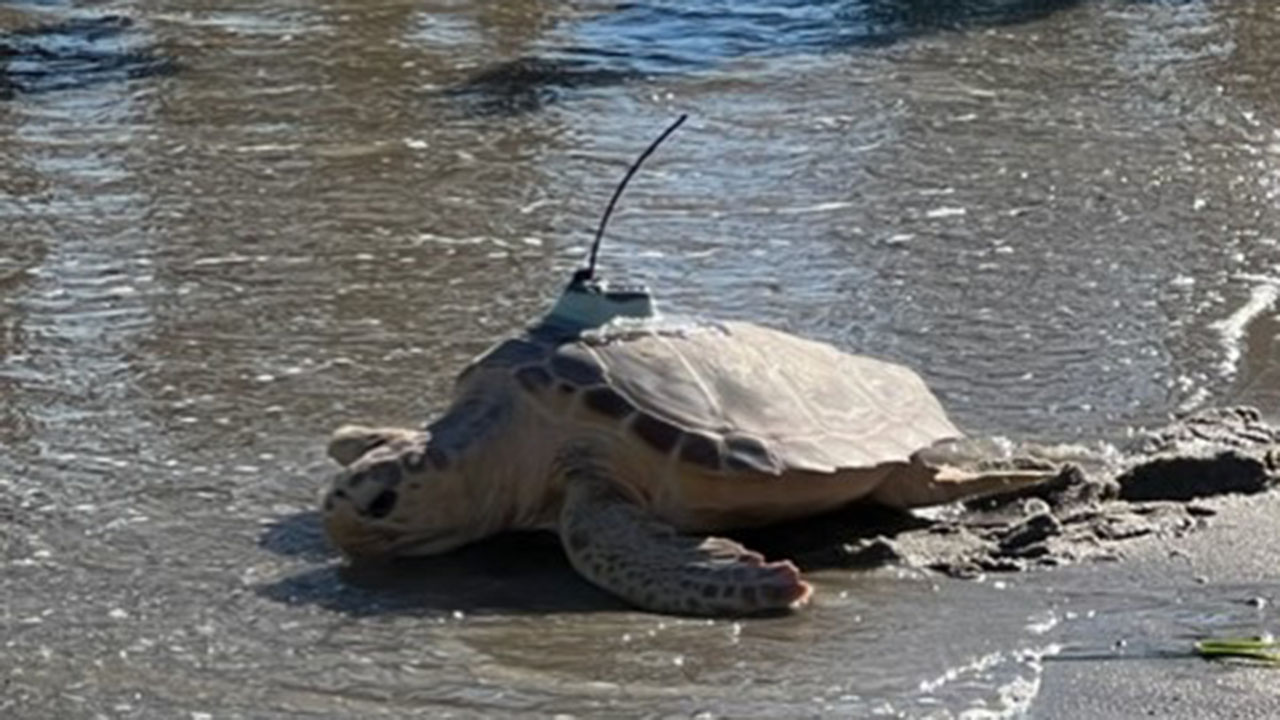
634 436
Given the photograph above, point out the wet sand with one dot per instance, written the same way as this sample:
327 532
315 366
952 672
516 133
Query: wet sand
230 229
1231 564
1190 515
1187 513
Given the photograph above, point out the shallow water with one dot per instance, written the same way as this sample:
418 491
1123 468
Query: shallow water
1063 213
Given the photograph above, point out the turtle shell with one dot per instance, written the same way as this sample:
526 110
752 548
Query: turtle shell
740 397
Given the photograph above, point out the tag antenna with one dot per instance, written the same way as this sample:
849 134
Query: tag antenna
589 272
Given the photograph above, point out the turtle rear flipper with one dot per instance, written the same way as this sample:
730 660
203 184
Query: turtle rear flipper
919 484
620 547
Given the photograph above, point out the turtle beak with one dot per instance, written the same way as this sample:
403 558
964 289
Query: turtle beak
360 538
351 531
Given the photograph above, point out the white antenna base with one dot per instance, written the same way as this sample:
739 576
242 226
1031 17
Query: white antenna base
587 304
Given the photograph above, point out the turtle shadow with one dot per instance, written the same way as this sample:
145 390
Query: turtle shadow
299 535
843 539
527 572
519 572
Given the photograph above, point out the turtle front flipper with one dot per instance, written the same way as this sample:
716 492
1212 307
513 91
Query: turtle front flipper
619 546
349 442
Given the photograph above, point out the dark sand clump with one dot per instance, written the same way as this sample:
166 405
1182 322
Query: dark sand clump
1163 485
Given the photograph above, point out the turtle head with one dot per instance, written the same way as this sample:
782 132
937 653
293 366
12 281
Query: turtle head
398 494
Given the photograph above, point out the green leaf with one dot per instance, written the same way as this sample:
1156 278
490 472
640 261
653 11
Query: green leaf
1263 649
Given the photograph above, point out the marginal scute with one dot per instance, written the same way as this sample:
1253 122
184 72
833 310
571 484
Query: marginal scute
533 378
661 435
607 401
775 594
747 453
700 450
812 408
576 370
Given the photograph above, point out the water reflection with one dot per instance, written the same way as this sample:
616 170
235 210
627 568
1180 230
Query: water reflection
74 53
696 34
1251 80
76 216
639 40
321 218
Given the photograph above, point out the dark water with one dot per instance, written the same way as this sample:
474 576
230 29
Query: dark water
1063 213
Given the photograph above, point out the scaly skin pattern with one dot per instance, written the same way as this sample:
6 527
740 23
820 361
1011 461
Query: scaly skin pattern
620 547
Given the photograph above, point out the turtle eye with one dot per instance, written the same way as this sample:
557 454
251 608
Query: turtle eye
383 504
